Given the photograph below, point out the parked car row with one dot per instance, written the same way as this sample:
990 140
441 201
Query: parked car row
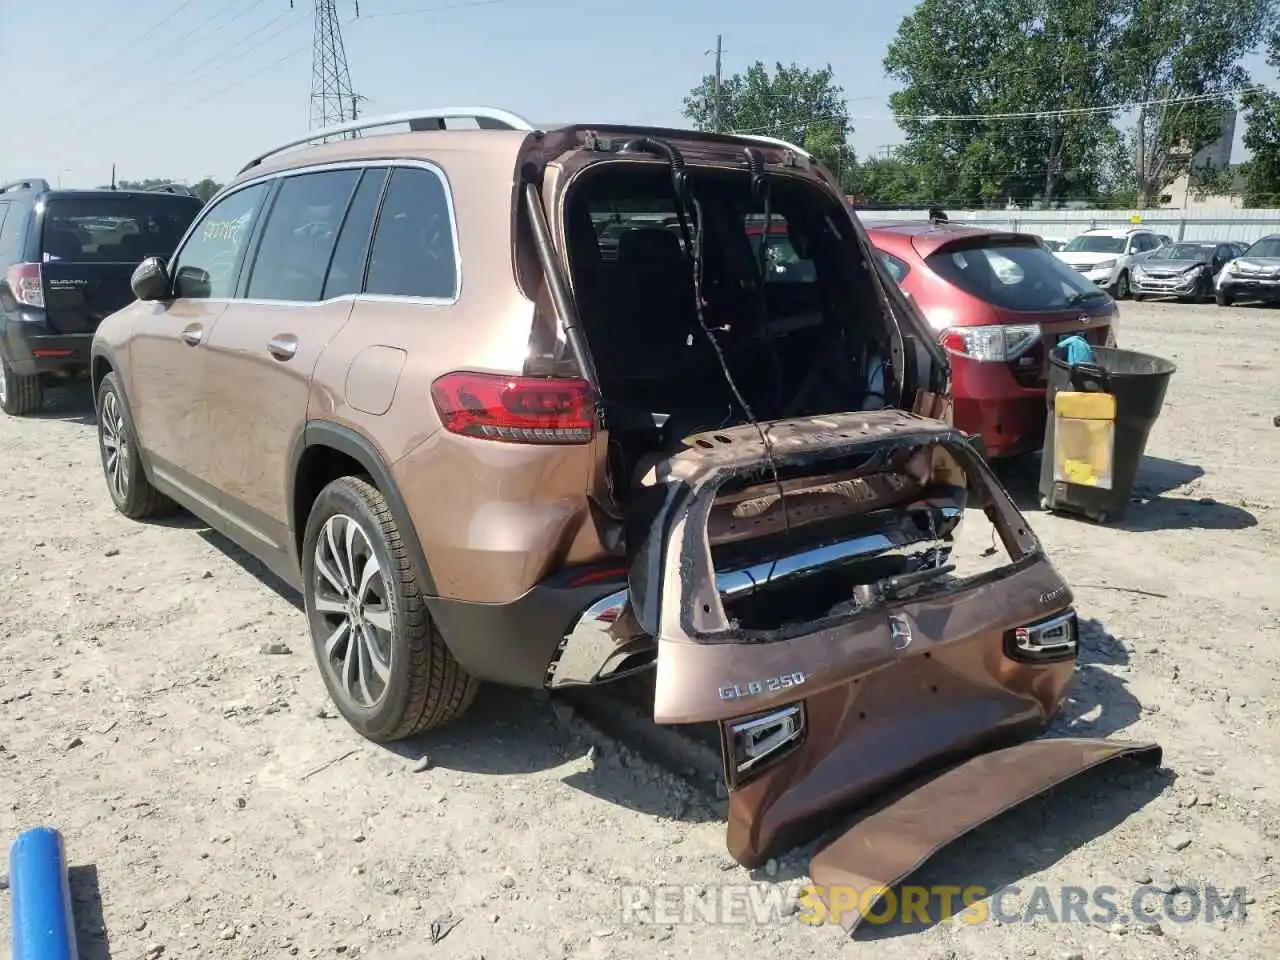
516 436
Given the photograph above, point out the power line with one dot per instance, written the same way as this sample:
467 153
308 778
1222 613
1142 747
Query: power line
93 72
1024 115
418 11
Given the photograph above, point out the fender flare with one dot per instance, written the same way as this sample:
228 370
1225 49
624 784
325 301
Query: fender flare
322 433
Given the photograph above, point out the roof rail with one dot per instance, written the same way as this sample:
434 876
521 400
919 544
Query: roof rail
31 183
774 142
487 118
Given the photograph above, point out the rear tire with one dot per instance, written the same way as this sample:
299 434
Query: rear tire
19 395
383 660
127 483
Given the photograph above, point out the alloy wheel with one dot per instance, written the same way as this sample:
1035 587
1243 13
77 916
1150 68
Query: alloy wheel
115 446
4 385
350 596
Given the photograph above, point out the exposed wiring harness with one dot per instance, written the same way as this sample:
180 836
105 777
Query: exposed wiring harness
687 203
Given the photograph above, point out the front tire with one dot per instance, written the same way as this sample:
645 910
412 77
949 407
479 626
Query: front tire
131 491
1223 299
19 395
384 663
1122 285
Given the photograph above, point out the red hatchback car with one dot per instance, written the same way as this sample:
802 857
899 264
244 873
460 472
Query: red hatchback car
999 302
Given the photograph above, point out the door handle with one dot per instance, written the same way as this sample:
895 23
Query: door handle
283 346
193 335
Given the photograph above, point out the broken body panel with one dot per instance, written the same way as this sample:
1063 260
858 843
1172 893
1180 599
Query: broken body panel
828 710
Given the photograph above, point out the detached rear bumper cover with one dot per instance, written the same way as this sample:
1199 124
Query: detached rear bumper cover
885 848
860 699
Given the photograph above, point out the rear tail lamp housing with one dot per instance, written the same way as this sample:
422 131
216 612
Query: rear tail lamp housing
1045 641
26 284
754 743
1000 343
508 409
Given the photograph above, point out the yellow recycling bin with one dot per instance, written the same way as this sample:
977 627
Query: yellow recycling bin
1084 438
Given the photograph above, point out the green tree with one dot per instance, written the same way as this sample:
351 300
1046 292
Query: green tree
204 189
962 61
887 180
1262 138
797 104
1171 50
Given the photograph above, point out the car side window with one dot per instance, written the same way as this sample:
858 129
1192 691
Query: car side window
897 268
412 254
299 236
346 269
208 264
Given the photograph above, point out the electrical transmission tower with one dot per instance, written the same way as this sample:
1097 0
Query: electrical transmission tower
332 99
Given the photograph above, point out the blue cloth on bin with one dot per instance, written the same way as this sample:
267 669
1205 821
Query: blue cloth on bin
1076 350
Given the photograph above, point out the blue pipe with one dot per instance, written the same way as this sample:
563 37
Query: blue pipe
43 927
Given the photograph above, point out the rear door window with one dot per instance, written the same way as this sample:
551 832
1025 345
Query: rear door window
299 236
346 270
413 248
12 232
897 268
106 229
208 265
1013 277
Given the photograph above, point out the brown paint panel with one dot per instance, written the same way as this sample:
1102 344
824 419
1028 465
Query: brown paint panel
885 848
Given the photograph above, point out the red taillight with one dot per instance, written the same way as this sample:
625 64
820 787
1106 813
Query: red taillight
27 284
953 341
515 409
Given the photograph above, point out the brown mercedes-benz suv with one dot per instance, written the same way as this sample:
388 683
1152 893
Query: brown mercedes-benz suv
538 407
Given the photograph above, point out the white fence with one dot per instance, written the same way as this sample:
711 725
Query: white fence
1244 226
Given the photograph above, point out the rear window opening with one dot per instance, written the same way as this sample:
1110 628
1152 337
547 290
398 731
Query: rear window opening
855 539
790 304
124 229
1021 277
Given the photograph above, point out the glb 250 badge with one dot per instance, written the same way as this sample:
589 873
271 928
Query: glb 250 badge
753 688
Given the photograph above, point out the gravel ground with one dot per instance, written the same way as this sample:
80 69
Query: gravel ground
159 705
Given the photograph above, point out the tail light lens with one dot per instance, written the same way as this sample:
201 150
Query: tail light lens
515 409
27 284
994 344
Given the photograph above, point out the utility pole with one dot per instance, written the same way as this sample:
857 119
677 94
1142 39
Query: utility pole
1140 157
715 89
332 99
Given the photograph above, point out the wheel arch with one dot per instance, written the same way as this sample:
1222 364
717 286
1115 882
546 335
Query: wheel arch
325 451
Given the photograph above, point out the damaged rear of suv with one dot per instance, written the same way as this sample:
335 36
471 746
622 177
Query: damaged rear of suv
557 408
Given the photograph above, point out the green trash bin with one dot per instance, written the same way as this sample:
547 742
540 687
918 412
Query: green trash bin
1138 382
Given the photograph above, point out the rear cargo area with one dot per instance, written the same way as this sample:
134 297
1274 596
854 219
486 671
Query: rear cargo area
748 301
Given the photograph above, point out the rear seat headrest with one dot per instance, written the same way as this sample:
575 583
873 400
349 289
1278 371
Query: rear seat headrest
649 245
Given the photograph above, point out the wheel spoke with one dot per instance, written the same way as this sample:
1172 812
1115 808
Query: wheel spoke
365 666
379 619
380 666
335 580
335 554
350 663
371 570
329 605
335 638
349 551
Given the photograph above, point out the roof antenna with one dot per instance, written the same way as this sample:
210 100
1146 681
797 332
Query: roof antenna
936 215
113 176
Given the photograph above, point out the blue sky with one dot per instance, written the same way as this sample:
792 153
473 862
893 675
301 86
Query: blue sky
224 78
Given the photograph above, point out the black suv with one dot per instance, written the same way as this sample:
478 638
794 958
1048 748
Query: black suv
65 261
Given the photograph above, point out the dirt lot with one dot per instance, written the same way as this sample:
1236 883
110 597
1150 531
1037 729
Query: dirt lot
214 808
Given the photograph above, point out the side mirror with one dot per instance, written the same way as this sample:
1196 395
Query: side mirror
150 280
